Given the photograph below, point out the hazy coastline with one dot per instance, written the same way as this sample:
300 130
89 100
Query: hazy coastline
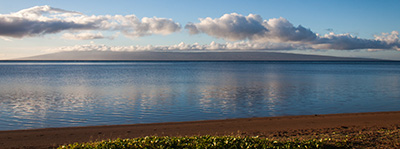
185 56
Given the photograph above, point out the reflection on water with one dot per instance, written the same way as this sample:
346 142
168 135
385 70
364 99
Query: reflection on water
37 95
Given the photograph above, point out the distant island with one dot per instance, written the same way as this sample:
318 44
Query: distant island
187 56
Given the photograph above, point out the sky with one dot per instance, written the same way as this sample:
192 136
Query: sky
356 28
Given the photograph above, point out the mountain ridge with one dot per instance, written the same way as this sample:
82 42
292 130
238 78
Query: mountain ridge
185 56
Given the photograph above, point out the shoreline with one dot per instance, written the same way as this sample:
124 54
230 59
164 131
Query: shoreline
264 127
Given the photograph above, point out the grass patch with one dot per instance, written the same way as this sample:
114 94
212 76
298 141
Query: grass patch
206 142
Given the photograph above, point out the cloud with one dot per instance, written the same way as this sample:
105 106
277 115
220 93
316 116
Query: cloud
389 38
5 39
349 42
235 27
213 46
42 20
85 36
230 26
252 31
33 22
385 41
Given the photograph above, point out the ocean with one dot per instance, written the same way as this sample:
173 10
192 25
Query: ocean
47 94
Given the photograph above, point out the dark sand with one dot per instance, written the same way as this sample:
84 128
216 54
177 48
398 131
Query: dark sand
267 127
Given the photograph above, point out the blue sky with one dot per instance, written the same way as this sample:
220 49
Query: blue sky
338 28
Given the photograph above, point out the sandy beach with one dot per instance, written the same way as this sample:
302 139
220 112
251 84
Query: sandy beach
264 127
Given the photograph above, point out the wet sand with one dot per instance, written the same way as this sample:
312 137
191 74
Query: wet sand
266 126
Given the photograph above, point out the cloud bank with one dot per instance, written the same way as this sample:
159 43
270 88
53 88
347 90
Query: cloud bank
213 46
234 27
241 32
42 20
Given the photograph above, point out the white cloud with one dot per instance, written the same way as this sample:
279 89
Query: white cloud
213 46
350 42
252 31
230 26
5 39
85 36
281 30
41 20
390 38
234 27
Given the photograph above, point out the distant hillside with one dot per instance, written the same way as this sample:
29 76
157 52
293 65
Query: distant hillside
188 56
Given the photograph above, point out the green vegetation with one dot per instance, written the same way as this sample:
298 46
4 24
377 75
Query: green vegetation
341 137
206 142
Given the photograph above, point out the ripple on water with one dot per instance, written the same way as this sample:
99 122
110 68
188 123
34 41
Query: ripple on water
69 94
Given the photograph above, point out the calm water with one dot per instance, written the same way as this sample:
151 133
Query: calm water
60 94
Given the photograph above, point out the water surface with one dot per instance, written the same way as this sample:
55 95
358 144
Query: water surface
61 94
